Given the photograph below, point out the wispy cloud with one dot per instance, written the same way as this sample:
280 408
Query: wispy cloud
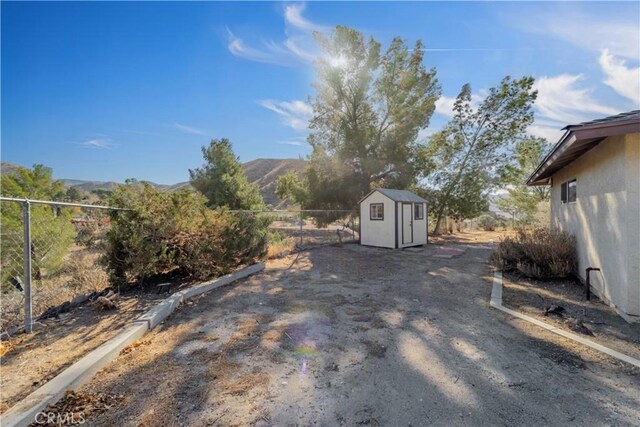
622 79
267 53
295 114
189 129
293 17
551 133
294 142
298 46
445 104
564 99
97 144
619 33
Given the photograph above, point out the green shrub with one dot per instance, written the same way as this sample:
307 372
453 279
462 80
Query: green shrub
52 233
487 222
176 232
539 253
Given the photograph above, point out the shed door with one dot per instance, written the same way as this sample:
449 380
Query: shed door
407 223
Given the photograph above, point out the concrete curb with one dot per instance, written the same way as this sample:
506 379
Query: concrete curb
24 412
496 302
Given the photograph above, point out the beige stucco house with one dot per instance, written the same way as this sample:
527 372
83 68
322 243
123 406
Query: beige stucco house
393 219
594 173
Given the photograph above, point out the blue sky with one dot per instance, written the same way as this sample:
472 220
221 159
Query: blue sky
107 91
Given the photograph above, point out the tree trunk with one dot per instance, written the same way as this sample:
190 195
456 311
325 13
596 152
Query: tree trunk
439 219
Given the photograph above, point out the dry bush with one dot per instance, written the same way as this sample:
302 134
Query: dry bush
12 309
487 222
176 232
539 253
276 249
86 275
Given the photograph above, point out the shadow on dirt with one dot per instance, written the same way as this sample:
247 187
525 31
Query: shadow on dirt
357 336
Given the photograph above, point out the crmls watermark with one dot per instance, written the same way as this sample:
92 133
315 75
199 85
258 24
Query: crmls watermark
59 418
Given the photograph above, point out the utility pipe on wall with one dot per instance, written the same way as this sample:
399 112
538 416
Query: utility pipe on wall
588 284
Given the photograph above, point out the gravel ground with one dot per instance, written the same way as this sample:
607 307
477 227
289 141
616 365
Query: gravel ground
360 336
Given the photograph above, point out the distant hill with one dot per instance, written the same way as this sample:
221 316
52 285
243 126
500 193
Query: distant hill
265 172
89 186
262 172
7 168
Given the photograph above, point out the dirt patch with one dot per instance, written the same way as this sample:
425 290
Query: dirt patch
559 355
246 382
374 348
30 360
563 304
289 350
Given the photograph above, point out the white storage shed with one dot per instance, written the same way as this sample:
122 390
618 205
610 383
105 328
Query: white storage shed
393 219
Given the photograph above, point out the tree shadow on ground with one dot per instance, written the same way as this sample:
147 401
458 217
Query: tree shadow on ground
359 336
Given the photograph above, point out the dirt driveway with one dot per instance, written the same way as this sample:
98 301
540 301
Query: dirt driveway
360 336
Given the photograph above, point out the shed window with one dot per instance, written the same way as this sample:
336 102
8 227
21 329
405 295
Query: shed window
376 211
418 211
568 191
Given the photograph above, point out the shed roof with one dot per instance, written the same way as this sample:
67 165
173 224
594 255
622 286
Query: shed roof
580 138
397 195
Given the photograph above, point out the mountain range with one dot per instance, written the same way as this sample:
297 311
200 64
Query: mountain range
262 172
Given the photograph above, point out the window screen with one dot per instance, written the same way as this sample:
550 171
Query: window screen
376 211
568 191
572 191
418 211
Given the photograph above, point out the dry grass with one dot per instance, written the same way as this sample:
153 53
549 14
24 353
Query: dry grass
245 383
222 368
128 349
471 237
273 335
81 274
247 327
278 249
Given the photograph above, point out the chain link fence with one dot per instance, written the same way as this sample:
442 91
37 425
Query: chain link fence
306 228
49 254
50 251
291 230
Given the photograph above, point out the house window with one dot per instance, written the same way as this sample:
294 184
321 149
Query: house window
568 191
418 211
376 211
571 193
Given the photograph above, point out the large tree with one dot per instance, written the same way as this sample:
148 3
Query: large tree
222 180
521 200
368 111
472 149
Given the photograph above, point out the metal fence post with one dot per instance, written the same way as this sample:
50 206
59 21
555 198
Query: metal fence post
301 222
26 221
